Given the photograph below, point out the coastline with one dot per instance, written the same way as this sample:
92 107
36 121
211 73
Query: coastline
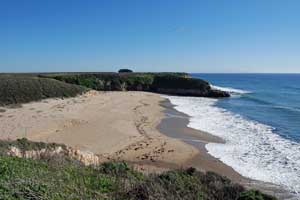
141 128
174 125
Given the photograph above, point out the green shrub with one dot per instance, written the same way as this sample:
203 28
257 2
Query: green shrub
41 179
133 81
255 195
16 89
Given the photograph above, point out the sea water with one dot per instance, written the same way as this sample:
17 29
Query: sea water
260 123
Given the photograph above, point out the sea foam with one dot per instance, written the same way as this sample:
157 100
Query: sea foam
230 90
251 148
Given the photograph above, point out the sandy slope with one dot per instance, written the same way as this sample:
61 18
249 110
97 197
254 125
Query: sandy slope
118 125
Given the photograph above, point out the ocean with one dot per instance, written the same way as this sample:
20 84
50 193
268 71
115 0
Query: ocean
260 123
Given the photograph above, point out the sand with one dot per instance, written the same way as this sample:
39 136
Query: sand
138 127
117 125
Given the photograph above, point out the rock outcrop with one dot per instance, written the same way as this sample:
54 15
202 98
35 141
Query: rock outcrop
85 157
182 86
194 92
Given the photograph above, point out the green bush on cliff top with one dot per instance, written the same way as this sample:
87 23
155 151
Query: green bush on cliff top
133 81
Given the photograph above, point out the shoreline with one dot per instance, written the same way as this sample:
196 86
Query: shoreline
141 128
174 125
114 125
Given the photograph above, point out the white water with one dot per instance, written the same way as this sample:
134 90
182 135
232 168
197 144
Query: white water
230 90
251 148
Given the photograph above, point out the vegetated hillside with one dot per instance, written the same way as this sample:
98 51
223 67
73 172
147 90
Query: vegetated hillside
18 88
61 178
166 83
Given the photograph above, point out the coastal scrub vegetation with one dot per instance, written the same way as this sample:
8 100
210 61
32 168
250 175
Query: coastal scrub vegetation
113 81
61 178
166 83
23 88
17 89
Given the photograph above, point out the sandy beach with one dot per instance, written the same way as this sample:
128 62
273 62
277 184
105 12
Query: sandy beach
116 125
131 126
139 127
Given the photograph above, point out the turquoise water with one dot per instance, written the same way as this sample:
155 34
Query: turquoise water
272 99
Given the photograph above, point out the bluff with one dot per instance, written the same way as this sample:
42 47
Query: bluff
165 83
24 88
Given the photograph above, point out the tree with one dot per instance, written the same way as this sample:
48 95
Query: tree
125 71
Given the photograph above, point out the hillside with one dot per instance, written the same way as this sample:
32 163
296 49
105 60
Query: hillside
60 177
18 88
165 83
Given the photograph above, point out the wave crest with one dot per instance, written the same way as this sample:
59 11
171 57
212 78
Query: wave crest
251 148
230 90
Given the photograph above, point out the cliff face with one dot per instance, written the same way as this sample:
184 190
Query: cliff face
165 83
84 157
24 148
185 87
23 88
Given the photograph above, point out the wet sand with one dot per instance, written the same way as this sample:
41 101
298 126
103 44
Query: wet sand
139 127
174 125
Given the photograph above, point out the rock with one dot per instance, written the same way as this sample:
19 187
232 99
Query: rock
218 93
85 157
181 86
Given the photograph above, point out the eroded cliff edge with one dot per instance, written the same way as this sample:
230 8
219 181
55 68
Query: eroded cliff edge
165 83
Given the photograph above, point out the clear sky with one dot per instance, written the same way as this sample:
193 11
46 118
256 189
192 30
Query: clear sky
150 35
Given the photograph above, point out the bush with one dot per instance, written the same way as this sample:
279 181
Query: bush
166 83
125 71
41 179
255 195
16 89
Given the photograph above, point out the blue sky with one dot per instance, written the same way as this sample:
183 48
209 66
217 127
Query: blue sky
150 35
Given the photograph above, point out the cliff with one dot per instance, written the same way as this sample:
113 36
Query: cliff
164 83
24 88
176 85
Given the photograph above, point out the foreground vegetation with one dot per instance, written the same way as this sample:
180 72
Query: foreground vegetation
18 89
60 178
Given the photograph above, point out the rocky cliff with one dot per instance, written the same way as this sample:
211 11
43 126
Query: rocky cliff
166 83
24 148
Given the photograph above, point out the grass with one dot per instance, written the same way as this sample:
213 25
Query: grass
31 179
18 89
64 179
